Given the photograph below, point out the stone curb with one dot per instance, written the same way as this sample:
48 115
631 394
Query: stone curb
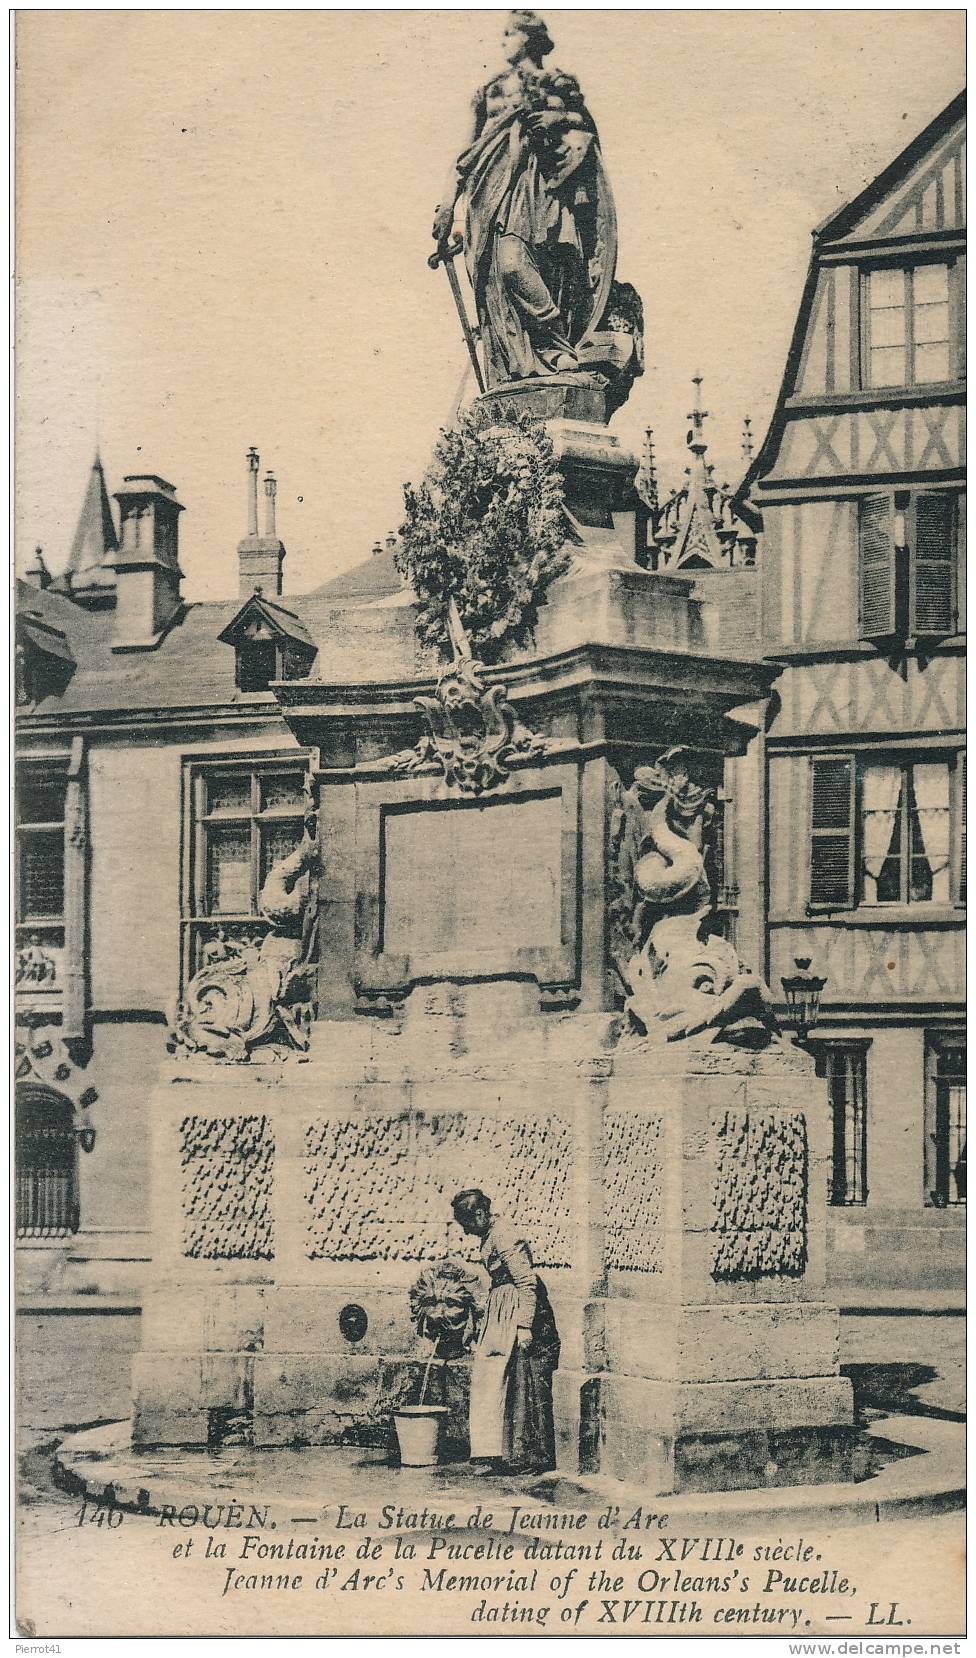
96 1463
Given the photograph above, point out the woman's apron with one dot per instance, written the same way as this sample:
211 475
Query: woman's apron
490 1371
510 1415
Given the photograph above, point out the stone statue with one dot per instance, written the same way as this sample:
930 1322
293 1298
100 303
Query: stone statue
539 230
677 981
247 992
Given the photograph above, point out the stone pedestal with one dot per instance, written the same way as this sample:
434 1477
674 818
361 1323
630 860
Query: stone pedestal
714 1356
674 1200
598 471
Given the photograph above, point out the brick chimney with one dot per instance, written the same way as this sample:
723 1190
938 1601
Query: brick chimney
260 557
147 571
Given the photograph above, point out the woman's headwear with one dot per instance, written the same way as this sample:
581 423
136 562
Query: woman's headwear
472 1198
531 24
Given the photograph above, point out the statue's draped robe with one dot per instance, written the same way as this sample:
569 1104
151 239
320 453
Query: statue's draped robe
540 255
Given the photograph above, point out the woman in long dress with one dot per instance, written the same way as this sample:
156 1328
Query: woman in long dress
510 1414
539 225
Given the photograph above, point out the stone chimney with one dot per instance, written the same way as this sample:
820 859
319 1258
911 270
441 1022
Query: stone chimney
147 570
260 557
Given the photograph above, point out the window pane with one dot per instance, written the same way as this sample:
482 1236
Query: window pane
881 808
40 799
931 323
931 363
887 288
229 793
229 872
931 284
45 1159
277 841
950 1125
847 1090
888 366
41 856
929 834
282 789
887 328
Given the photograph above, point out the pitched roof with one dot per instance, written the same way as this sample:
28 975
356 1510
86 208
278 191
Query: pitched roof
191 668
830 231
281 621
95 540
845 219
377 577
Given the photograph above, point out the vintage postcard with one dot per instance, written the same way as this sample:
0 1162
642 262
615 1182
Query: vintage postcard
490 1059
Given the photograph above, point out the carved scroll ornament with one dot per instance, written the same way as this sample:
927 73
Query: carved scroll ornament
473 732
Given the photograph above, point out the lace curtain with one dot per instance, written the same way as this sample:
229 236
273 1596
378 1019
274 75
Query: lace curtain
931 783
881 791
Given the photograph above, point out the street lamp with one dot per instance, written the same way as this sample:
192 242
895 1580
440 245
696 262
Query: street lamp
803 991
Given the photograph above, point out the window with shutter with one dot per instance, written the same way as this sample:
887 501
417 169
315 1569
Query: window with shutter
877 567
832 834
933 564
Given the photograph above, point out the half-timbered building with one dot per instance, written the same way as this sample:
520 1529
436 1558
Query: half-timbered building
860 484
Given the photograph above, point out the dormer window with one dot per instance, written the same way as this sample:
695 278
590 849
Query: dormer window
258 657
270 643
43 660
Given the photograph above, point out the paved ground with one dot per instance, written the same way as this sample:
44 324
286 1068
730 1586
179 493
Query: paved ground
73 1372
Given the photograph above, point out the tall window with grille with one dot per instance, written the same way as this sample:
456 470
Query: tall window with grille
245 817
845 1067
945 1113
40 880
45 1163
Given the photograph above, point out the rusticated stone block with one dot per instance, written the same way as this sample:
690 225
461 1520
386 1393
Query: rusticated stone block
633 1191
759 1194
380 1187
228 1172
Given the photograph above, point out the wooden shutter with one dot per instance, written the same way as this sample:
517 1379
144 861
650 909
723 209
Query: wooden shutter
933 562
832 834
876 542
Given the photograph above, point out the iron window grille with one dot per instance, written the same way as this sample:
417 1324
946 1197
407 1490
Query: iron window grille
945 1110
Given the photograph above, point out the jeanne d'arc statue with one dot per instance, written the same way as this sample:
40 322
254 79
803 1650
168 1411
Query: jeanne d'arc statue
539 230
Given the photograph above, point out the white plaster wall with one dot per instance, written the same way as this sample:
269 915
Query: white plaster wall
895 1118
134 816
